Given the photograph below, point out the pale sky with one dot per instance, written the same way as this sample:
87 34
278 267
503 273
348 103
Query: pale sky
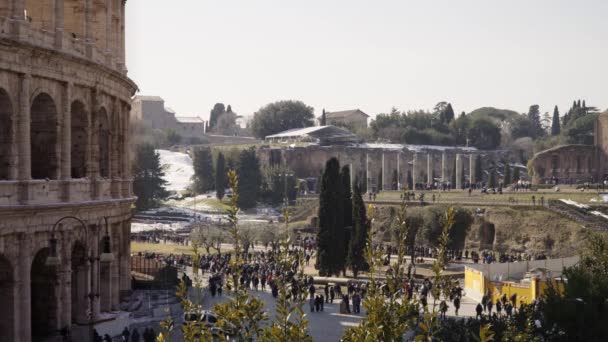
372 55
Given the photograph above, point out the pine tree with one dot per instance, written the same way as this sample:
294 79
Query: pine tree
148 182
229 109
507 173
515 174
331 220
356 258
203 170
220 176
250 178
555 127
323 118
214 115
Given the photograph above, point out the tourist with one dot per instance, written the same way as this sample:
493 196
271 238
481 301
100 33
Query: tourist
135 336
479 310
332 294
126 334
326 290
456 304
498 307
107 338
311 302
317 304
321 301
357 303
443 308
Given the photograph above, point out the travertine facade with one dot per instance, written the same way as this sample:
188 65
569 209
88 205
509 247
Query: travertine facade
64 122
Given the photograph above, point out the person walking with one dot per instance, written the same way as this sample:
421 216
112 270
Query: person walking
126 334
311 302
456 304
498 307
326 290
357 303
479 310
135 336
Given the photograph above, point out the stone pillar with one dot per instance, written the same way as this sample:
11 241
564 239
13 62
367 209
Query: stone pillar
472 179
429 168
367 175
443 167
64 289
18 18
23 282
458 171
66 136
59 24
93 278
88 28
123 49
23 134
414 162
398 172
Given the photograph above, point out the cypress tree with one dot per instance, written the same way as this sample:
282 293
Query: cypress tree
462 178
250 178
507 180
410 180
356 258
220 176
380 181
492 180
478 170
330 244
323 118
202 162
515 174
555 126
348 215
453 180
148 178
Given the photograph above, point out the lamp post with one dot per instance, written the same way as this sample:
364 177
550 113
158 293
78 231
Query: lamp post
106 256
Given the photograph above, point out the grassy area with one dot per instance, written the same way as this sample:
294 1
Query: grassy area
476 196
160 248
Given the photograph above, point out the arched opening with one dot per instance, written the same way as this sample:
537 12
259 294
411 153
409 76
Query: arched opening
104 144
80 124
43 298
74 18
6 129
43 138
7 320
41 14
79 284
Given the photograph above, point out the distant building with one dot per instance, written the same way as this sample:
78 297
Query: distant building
349 118
152 111
322 135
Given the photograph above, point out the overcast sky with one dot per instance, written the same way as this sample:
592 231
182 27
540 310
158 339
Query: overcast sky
372 55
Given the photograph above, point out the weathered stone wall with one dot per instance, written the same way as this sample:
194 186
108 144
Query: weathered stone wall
566 164
64 124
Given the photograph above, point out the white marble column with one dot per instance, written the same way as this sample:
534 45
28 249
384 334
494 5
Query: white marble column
414 162
458 171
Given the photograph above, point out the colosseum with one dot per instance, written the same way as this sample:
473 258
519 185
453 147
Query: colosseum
65 184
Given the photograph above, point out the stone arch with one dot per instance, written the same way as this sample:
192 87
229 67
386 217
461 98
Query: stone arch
43 137
6 134
7 314
74 18
41 14
80 138
103 134
80 290
43 297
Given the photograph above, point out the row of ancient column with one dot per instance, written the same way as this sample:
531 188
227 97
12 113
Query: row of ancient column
429 169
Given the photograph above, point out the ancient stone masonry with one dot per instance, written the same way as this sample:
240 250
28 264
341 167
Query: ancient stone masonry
64 135
425 163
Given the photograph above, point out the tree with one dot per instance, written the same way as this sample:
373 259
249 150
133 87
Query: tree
484 134
555 127
478 168
331 220
492 180
507 174
395 181
220 176
281 116
148 182
380 180
515 174
203 170
356 257
534 116
323 118
447 114
348 214
214 115
173 138
410 180
250 178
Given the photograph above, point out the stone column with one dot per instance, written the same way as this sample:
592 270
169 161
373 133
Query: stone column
18 18
64 289
472 179
429 168
367 175
414 162
458 171
123 49
66 136
443 167
59 24
93 278
23 134
398 172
